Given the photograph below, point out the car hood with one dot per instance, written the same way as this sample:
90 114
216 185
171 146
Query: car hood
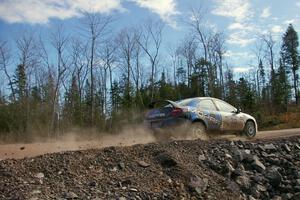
247 116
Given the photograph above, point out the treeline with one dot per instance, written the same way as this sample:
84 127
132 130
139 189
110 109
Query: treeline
97 79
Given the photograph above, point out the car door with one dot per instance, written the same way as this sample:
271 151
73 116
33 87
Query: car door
231 119
209 113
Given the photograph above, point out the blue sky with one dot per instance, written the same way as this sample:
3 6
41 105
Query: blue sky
241 20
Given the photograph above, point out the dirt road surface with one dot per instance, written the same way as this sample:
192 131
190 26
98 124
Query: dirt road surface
268 134
18 151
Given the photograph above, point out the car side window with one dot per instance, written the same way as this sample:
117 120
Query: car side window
225 107
207 105
189 102
193 103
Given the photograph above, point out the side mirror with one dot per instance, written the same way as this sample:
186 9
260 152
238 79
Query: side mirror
238 110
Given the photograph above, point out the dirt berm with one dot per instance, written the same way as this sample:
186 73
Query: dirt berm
216 169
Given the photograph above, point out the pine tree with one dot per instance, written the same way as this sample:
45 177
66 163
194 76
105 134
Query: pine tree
115 96
246 95
20 82
262 77
202 73
22 107
181 74
165 90
230 89
282 88
35 95
72 103
290 55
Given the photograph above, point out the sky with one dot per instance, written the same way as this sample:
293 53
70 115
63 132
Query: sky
242 21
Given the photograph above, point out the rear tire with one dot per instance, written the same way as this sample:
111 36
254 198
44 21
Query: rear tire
250 129
198 131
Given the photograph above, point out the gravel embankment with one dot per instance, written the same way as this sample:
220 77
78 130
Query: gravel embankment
217 169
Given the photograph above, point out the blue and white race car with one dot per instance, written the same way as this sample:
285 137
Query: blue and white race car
199 115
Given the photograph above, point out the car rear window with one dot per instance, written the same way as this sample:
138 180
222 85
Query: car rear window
189 102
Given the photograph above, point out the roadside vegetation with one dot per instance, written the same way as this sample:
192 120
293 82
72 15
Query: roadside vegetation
284 120
105 77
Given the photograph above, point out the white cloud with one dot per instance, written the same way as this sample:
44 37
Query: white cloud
238 55
166 9
290 21
277 29
240 38
266 13
240 26
237 9
241 69
39 12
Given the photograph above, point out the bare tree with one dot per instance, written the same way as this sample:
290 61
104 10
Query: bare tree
59 42
269 45
197 27
109 57
208 39
150 41
5 59
174 54
26 45
80 60
80 63
136 70
127 44
258 51
188 50
29 56
95 26
217 50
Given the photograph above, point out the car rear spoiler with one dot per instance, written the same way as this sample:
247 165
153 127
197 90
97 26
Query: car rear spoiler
151 105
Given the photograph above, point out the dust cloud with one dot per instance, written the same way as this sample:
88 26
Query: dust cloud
78 140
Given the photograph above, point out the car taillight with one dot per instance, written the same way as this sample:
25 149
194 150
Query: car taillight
176 112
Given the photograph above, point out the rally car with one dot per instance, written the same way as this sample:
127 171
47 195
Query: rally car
199 116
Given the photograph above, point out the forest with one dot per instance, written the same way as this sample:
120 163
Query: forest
101 81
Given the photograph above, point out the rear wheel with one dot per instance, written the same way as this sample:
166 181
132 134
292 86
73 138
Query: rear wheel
198 131
250 129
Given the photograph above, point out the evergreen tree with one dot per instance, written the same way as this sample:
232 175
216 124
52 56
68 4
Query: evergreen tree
20 82
201 75
262 77
22 108
246 95
290 55
282 89
165 90
181 74
115 96
87 103
48 90
35 95
230 91
127 93
72 103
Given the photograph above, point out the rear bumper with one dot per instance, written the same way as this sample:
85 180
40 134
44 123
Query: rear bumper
165 123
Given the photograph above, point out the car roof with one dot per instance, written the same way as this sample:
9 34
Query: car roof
201 98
